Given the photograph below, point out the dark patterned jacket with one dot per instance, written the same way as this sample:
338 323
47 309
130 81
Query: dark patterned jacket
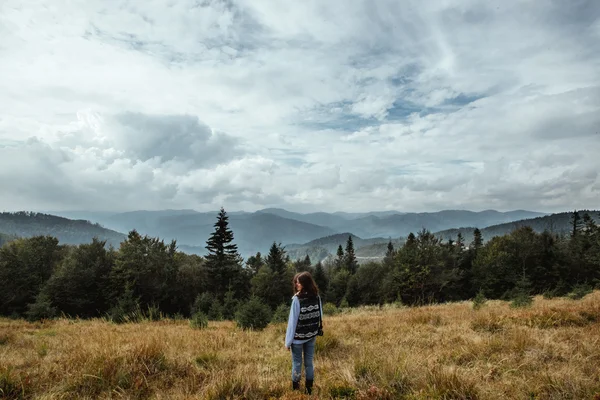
309 318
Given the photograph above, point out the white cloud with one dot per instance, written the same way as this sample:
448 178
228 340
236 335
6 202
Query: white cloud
341 105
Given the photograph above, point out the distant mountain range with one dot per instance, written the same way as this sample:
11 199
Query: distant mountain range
559 223
316 234
67 231
256 231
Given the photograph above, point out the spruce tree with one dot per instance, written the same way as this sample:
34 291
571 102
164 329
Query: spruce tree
320 278
223 260
390 250
575 224
307 262
280 279
477 239
460 241
253 263
339 260
350 262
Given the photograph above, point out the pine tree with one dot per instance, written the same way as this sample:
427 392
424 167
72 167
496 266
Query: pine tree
253 263
223 261
307 262
339 261
321 278
280 280
575 223
460 241
276 259
390 250
411 240
477 239
350 262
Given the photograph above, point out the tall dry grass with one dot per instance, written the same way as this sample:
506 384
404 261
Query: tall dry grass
548 351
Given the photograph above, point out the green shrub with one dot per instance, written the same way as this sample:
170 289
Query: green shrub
281 314
202 303
344 303
253 315
342 392
479 300
215 313
330 309
521 300
579 292
41 309
199 320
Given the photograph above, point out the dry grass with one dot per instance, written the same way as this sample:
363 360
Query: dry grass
548 351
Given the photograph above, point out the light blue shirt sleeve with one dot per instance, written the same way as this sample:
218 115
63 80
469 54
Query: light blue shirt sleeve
292 322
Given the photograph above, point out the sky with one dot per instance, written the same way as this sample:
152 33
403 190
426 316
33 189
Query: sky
337 105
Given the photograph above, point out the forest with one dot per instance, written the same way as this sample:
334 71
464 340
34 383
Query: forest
145 276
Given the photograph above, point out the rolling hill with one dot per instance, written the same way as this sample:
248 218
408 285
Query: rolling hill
559 223
258 230
25 224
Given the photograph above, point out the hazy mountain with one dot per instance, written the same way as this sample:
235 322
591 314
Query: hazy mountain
395 224
256 231
559 223
24 224
320 249
402 224
252 231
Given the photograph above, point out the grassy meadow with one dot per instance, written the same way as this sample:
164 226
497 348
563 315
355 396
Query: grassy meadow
550 350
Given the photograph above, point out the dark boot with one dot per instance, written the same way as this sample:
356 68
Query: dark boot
295 385
309 384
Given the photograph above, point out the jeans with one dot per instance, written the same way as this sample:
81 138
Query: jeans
308 349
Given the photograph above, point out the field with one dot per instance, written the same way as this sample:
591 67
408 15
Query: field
548 351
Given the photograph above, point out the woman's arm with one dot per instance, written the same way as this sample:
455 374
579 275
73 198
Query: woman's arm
292 322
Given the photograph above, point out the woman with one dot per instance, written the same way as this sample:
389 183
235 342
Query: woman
304 324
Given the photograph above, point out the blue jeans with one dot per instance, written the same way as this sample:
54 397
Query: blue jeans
308 349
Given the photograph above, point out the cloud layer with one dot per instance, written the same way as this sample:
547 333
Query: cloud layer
353 106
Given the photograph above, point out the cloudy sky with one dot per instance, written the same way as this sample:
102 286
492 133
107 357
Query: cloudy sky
310 105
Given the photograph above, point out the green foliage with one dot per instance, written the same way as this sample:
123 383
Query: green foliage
223 261
253 315
343 392
215 312
479 300
127 306
521 294
338 286
579 291
344 303
199 320
349 260
230 305
330 309
78 285
25 267
320 278
203 303
281 314
272 284
146 278
42 308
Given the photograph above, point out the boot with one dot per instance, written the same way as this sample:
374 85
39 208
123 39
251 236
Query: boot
309 385
295 385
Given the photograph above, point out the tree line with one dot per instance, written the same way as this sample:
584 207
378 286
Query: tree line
43 279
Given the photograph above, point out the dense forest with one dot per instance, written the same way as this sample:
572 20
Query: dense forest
42 278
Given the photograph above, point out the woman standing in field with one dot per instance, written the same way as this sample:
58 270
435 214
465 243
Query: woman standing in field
304 324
